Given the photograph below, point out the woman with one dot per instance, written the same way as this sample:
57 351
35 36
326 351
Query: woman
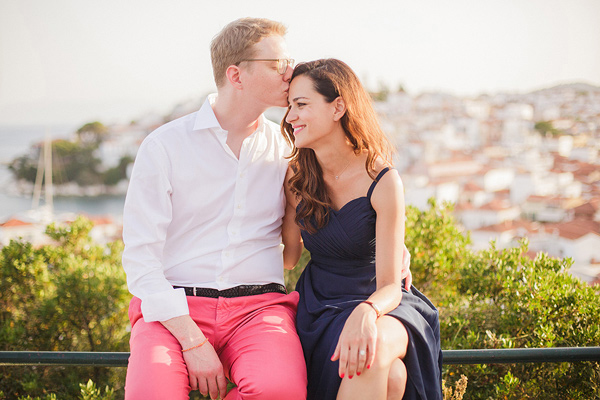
363 334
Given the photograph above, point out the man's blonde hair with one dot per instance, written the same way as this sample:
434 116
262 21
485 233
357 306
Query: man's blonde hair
236 43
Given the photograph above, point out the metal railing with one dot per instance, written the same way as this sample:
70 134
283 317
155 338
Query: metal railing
476 356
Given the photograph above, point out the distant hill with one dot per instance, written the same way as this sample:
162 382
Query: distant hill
577 86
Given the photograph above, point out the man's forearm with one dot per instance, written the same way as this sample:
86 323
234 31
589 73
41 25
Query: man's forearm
185 330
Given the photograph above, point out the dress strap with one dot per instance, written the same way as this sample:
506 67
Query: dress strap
370 192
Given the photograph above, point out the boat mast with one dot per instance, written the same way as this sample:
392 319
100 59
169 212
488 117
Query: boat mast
44 172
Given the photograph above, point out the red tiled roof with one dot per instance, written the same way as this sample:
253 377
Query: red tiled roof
511 225
496 204
563 202
14 222
472 187
101 220
589 208
543 199
463 206
575 229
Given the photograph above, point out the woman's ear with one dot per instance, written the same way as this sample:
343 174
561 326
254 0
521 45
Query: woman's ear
233 76
339 108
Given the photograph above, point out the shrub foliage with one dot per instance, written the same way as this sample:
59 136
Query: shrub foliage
72 296
69 296
501 298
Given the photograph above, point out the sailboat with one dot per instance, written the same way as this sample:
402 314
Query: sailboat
43 214
31 225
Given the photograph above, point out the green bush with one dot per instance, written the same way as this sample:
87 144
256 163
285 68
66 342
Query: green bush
69 296
504 299
72 296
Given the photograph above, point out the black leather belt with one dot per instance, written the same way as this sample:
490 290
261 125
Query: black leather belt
237 291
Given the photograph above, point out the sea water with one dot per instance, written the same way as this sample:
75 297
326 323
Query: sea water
18 140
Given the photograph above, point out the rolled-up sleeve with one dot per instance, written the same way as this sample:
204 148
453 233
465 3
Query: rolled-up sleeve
146 218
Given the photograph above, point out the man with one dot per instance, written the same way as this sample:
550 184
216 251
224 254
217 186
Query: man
202 233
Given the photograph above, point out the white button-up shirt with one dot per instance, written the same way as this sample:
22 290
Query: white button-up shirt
195 215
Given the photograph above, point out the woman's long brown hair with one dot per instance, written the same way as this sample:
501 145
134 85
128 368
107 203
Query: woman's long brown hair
333 78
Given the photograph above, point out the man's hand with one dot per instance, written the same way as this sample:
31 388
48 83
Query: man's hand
406 272
205 369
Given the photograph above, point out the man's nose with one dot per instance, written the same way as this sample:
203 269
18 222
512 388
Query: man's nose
288 73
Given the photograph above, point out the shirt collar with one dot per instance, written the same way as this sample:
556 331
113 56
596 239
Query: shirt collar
206 118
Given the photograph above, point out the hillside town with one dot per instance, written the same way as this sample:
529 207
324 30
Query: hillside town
514 166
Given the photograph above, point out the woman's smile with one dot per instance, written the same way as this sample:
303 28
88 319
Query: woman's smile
298 128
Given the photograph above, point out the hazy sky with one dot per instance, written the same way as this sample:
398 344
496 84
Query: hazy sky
74 61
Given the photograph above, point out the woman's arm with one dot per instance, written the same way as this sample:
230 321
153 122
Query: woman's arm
360 329
290 231
388 202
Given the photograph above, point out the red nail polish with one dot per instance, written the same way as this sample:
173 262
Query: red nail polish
350 377
368 367
358 374
342 375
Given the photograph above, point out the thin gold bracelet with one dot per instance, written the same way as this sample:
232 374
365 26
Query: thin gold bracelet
374 306
196 346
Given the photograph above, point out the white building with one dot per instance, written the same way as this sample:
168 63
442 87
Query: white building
547 208
506 234
498 179
492 213
123 141
16 229
578 239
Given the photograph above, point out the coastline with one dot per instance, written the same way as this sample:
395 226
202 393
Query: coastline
91 201
22 188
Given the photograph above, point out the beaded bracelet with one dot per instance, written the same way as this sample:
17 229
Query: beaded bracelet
196 346
375 307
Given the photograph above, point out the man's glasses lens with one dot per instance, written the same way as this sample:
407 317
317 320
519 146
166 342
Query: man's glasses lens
283 64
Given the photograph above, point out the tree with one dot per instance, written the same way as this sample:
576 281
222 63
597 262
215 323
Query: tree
92 133
75 162
381 94
118 173
24 167
71 162
546 128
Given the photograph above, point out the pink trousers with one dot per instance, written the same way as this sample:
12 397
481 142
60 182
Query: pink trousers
254 336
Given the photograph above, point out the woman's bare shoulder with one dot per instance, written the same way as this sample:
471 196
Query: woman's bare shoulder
389 190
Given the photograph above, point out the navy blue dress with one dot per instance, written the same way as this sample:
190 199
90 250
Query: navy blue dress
341 274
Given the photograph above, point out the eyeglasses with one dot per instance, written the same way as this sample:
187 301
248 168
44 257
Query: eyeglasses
282 63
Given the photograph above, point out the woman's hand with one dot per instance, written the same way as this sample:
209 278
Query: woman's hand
356 345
